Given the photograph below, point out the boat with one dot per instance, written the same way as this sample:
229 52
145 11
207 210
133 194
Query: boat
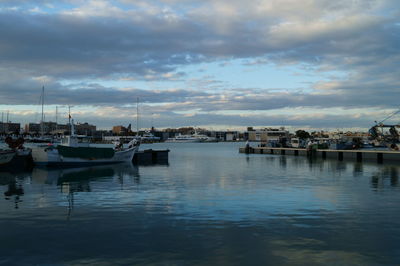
184 139
149 138
6 156
191 138
204 138
295 143
72 152
18 146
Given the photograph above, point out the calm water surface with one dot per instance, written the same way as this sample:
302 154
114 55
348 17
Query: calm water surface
209 205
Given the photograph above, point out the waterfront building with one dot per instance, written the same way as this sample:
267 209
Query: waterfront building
36 128
85 129
224 135
61 129
120 130
267 134
9 127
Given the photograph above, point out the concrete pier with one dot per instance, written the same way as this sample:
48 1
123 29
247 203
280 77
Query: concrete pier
379 156
151 156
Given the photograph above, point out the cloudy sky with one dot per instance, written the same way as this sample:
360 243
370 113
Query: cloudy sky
210 63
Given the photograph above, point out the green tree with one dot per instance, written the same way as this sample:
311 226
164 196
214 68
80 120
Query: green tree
302 134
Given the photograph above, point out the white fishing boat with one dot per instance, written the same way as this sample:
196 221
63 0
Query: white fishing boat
72 152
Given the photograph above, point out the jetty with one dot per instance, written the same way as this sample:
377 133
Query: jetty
379 156
150 156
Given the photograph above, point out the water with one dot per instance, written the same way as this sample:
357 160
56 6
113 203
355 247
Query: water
209 205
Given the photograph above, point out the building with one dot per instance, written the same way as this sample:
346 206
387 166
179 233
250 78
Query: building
32 128
268 134
7 128
36 128
85 129
224 135
119 130
61 129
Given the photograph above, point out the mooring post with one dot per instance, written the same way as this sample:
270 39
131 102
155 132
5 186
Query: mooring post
340 156
359 156
379 157
247 148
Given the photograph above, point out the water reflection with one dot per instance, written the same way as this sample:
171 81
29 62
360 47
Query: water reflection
282 161
68 180
61 176
75 180
14 183
358 169
386 176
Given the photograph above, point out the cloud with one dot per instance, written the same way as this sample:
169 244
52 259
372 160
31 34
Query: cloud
78 45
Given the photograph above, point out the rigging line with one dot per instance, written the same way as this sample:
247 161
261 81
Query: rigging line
390 116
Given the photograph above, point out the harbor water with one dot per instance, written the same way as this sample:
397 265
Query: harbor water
209 205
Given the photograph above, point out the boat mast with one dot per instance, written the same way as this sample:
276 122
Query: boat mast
56 117
137 116
42 122
7 121
69 119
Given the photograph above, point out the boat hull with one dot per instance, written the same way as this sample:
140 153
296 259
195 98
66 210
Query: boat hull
183 140
6 157
52 157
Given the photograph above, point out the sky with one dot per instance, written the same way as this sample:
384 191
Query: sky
226 64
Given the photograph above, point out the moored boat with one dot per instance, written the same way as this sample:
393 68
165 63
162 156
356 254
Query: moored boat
6 156
191 138
184 138
71 152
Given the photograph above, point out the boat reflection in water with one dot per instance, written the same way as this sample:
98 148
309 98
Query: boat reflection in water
386 177
75 180
14 182
60 176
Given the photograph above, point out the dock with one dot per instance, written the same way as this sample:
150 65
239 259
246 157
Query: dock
151 156
379 156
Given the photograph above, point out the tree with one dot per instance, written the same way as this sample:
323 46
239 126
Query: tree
302 134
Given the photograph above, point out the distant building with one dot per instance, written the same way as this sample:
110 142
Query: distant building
268 134
231 136
224 135
7 128
85 129
61 129
36 128
32 128
119 130
48 128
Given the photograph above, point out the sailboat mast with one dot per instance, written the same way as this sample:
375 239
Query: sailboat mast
137 116
56 117
8 120
69 119
42 122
